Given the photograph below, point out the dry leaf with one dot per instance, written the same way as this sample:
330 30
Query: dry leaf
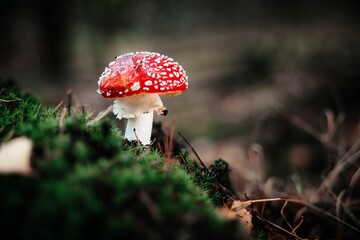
15 156
238 205
243 216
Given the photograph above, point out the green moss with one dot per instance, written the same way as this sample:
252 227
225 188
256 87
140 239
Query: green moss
87 182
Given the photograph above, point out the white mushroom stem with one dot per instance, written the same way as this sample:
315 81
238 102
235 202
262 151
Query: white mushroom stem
139 128
139 112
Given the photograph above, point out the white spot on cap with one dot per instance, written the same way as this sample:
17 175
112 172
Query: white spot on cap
135 86
148 83
111 63
176 74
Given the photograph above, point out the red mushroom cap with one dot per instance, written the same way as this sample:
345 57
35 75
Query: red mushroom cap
142 72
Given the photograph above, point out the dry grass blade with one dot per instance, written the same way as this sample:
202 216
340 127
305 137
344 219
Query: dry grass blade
161 151
349 158
193 150
9 100
169 140
58 106
278 227
283 216
339 203
150 205
330 125
101 115
223 189
262 209
354 180
184 162
297 121
62 120
137 138
70 100
298 225
293 229
297 201
323 212
256 156
354 148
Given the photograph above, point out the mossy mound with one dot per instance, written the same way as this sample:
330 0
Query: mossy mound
86 182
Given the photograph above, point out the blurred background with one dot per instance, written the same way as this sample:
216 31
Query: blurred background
253 67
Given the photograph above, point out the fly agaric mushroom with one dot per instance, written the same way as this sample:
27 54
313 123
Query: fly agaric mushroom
135 81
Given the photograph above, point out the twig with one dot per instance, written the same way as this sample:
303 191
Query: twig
293 230
278 227
299 224
292 233
239 204
10 100
137 138
193 150
283 216
222 188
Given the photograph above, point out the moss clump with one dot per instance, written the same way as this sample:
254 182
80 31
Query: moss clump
88 183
